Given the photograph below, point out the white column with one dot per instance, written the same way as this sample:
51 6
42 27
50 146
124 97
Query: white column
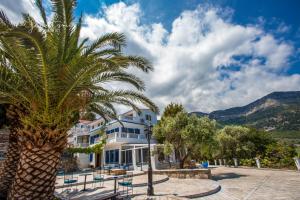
103 157
120 155
142 156
134 159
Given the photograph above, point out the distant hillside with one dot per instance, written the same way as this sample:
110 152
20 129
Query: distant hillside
276 111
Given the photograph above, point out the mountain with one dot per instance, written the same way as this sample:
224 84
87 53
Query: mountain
275 111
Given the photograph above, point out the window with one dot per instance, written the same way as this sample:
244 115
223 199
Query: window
106 156
92 127
130 130
91 157
107 132
124 130
116 129
148 117
112 156
137 131
92 140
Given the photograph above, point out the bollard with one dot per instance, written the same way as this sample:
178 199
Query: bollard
257 162
220 162
297 162
235 162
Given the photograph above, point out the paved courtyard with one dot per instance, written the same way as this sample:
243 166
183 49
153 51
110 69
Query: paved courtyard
254 184
236 184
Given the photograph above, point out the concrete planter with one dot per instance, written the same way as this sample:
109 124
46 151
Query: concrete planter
235 161
297 162
257 162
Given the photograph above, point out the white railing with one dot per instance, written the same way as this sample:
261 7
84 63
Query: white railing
125 136
82 145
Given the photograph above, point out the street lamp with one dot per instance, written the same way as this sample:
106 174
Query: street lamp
150 191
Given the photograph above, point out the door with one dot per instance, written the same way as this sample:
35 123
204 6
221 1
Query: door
98 160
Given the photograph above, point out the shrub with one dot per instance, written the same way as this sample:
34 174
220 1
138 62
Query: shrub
247 162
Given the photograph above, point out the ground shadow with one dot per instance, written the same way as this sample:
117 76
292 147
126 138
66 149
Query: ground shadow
222 176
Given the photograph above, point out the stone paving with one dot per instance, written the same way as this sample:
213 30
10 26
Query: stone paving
175 187
255 184
236 184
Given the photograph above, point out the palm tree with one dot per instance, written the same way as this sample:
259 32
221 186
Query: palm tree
49 71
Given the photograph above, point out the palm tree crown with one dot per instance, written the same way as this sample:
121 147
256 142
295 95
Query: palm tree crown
48 69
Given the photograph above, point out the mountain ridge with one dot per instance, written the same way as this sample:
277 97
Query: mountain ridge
275 111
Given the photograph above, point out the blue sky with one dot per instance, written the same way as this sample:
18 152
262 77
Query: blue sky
273 14
206 55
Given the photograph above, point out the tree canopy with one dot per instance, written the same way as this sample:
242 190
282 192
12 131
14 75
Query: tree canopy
189 136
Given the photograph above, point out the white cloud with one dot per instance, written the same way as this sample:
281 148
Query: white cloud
15 9
193 62
205 61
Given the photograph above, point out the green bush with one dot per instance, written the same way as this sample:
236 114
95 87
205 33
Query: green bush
247 162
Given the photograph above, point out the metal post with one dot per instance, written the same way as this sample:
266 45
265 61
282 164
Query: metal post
115 185
150 191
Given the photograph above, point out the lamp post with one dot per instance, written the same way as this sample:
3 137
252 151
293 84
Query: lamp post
150 191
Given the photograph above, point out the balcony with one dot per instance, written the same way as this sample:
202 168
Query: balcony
83 145
126 137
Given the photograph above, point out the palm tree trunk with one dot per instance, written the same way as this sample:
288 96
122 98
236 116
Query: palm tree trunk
36 173
13 151
8 171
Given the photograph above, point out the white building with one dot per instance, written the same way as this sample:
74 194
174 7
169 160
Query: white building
126 142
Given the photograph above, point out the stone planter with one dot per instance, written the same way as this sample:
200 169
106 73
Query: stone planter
215 162
235 161
220 162
257 162
297 162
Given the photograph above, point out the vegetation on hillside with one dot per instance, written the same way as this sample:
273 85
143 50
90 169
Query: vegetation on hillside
198 138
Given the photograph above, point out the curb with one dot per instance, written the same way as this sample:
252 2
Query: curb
269 169
203 194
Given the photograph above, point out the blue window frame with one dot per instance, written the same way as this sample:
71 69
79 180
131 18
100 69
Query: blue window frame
137 131
91 157
130 130
106 156
92 140
112 156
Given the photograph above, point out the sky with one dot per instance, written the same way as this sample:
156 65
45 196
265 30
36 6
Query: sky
207 55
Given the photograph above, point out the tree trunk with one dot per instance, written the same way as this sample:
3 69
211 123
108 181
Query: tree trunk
181 164
36 173
13 151
10 165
